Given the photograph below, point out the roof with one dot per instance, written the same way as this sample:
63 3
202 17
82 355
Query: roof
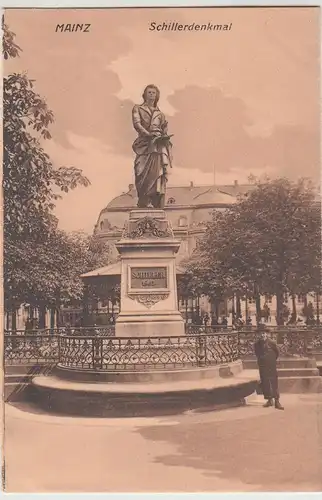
187 195
115 270
110 270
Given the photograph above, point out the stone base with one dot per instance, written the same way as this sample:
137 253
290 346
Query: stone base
150 325
63 397
149 302
18 377
149 376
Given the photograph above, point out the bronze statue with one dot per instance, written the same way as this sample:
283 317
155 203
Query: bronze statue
153 150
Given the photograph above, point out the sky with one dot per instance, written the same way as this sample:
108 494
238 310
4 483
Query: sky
238 102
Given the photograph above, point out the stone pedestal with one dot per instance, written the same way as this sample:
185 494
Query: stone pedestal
149 303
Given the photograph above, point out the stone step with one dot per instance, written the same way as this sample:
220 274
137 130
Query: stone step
23 369
294 384
300 385
13 390
18 378
298 372
283 363
55 395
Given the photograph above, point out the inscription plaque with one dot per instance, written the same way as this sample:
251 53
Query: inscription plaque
149 277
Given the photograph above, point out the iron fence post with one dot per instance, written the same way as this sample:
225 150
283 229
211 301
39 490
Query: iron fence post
59 348
201 350
308 344
238 345
97 361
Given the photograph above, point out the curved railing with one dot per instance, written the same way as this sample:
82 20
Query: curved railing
290 342
107 352
31 349
147 353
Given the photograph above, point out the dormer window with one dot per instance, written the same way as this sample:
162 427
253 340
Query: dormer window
105 224
171 201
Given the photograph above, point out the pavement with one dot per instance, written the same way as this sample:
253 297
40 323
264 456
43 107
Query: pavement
245 449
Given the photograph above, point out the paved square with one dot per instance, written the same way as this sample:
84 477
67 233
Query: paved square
243 449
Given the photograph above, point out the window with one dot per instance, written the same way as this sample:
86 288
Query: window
105 224
182 221
301 299
268 299
171 201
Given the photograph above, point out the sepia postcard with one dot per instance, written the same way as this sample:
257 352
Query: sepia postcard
162 299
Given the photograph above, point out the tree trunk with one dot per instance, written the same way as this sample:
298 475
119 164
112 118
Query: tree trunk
42 316
14 320
52 317
85 306
7 320
233 312
238 307
305 308
317 296
293 306
279 308
258 307
217 308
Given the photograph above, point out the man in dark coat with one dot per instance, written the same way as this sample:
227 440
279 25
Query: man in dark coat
266 351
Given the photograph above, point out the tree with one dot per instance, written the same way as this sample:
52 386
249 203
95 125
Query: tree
31 183
267 243
48 275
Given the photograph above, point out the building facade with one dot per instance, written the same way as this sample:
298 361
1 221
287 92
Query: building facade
188 208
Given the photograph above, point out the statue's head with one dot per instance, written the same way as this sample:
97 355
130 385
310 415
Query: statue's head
151 92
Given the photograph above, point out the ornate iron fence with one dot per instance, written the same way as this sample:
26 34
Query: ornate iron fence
289 343
109 330
147 353
104 331
107 352
201 329
31 349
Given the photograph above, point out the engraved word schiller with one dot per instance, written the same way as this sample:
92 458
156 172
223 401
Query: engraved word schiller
143 278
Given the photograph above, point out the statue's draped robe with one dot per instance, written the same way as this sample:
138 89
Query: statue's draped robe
267 353
152 159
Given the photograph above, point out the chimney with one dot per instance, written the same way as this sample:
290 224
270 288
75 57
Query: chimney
131 187
235 183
